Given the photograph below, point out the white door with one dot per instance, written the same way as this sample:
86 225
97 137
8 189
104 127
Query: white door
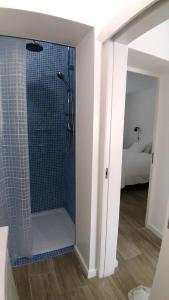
160 288
119 72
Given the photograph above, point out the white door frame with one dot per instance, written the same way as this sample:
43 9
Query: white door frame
151 178
113 95
160 287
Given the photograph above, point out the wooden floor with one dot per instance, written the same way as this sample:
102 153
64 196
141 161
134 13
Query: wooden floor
61 278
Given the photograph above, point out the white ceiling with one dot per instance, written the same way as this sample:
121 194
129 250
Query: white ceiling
154 42
151 64
92 12
38 26
138 82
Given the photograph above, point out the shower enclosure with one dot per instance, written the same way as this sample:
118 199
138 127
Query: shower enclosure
47 112
51 146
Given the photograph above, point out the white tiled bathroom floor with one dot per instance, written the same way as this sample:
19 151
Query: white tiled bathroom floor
52 230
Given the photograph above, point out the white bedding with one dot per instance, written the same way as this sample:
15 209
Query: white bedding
135 167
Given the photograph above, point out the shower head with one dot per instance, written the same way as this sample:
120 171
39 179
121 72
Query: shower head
34 47
61 76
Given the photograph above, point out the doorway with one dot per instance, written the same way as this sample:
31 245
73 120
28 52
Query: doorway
81 36
117 51
137 155
38 142
135 240
140 105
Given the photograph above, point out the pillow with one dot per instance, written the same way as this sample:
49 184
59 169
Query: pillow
148 148
137 147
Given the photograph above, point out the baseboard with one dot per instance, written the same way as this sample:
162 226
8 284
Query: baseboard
116 264
111 270
154 230
90 273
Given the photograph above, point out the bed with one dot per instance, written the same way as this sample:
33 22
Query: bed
135 167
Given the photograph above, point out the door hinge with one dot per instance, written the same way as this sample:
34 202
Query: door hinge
106 173
152 157
168 224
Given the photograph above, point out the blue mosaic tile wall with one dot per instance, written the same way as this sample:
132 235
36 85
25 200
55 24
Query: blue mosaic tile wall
69 181
69 167
51 157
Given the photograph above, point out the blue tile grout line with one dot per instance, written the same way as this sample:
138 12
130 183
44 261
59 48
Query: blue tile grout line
40 257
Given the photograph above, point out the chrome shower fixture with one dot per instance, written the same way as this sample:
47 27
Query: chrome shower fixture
34 47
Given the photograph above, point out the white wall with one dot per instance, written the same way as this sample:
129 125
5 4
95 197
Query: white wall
139 111
7 285
84 144
3 252
154 42
160 187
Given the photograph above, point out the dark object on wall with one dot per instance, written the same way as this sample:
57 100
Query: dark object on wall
71 67
61 76
70 108
34 47
138 130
